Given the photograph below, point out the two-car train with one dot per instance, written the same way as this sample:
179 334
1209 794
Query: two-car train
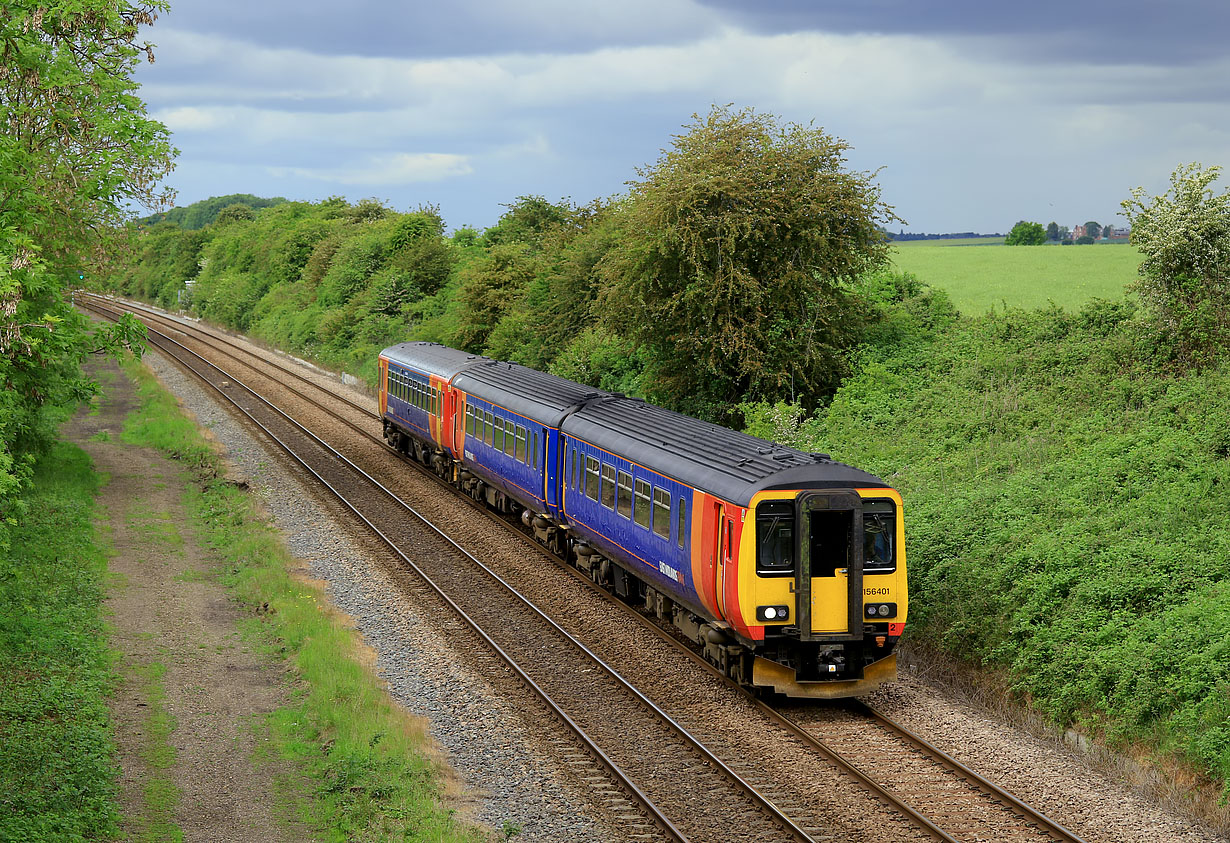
787 568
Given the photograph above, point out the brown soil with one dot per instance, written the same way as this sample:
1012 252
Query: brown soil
165 608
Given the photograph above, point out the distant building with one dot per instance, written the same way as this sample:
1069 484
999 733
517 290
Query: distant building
1109 232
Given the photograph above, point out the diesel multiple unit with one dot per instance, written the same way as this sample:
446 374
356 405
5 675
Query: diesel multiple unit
786 568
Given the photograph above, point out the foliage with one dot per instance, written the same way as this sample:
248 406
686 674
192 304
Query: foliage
556 308
528 221
236 213
734 260
1030 448
1093 229
57 771
1184 235
76 149
488 288
200 214
1027 234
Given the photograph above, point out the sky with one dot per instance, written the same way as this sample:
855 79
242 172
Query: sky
972 115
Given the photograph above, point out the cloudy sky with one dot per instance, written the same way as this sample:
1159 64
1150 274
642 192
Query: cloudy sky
974 114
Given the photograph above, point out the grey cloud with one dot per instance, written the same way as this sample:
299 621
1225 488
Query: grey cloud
1145 31
422 30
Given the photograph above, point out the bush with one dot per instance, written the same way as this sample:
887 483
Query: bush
1184 235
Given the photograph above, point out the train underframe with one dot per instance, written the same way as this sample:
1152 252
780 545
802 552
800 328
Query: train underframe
781 664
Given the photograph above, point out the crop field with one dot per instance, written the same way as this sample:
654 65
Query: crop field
984 275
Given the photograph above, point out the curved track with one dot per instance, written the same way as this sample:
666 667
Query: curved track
908 775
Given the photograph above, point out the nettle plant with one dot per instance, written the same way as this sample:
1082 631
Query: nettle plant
1184 237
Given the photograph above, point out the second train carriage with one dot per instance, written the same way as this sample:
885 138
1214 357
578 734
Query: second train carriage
787 568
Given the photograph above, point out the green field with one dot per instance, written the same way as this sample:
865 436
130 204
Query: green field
979 275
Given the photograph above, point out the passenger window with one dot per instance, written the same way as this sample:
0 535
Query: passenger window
775 538
499 434
469 420
489 429
574 468
608 486
682 520
662 512
591 477
520 455
510 437
624 503
534 450
640 513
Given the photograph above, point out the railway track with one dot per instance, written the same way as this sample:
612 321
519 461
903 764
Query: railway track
662 785
898 771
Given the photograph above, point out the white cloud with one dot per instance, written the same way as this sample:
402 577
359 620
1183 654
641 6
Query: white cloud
399 169
959 128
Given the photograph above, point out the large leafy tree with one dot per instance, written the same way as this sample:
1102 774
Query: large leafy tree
735 259
76 151
1026 233
1184 235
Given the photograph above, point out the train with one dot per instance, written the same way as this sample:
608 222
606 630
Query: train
786 569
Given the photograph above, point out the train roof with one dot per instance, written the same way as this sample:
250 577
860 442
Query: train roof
540 396
433 358
723 462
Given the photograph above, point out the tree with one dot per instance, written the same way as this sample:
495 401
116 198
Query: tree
1184 279
528 220
1026 234
78 151
734 261
489 287
238 212
1092 229
1052 230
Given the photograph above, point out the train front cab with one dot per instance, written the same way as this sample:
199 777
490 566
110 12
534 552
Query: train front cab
833 609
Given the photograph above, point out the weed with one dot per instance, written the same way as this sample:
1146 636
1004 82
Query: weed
58 774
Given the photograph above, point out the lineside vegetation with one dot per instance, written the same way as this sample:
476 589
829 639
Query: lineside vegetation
1062 468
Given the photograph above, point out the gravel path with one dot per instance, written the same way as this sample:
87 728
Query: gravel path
510 780
510 773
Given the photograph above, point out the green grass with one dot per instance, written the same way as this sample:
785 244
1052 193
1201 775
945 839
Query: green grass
982 277
367 762
160 796
57 764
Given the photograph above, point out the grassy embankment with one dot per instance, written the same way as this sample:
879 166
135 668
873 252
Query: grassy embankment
979 276
57 766
58 772
1066 506
367 758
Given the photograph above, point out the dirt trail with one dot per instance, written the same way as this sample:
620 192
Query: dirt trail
192 688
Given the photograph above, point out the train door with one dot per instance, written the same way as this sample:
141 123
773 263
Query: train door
830 575
384 382
715 557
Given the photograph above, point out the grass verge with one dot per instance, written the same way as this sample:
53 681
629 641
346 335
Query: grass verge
57 763
159 795
368 761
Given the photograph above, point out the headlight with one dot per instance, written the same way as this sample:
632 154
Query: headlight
772 613
880 610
